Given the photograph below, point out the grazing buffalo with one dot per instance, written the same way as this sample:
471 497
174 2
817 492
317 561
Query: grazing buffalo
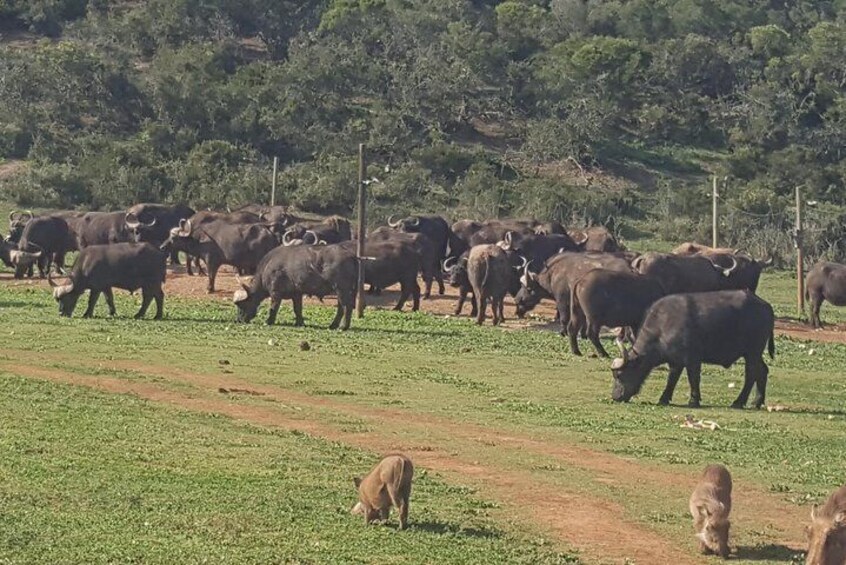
612 299
687 273
101 228
458 278
710 506
220 243
52 238
557 278
430 264
387 484
435 228
825 281
295 271
687 330
392 261
827 532
597 239
491 272
99 268
536 249
152 223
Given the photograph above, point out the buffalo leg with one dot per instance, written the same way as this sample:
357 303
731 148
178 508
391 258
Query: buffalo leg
158 295
694 376
761 384
593 335
483 305
59 261
439 277
146 298
188 269
213 267
415 296
44 263
495 310
672 381
200 270
816 304
297 300
110 300
339 313
752 371
174 257
462 297
474 306
274 310
427 286
404 292
349 306
92 302
571 330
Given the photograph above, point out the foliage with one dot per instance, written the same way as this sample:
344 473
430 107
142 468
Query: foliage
532 86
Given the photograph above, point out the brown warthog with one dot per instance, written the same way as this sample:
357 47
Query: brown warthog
827 532
387 484
710 505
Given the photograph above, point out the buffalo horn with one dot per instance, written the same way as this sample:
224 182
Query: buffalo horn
313 238
416 222
524 266
29 215
728 271
393 224
618 363
12 215
240 295
286 238
133 223
449 264
185 228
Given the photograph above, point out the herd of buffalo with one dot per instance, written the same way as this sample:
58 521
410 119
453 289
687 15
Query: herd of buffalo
696 305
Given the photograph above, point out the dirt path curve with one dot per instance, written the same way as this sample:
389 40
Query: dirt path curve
584 528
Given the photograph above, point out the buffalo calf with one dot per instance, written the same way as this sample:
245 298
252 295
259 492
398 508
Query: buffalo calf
710 505
387 484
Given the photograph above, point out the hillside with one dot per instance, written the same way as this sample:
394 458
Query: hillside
586 111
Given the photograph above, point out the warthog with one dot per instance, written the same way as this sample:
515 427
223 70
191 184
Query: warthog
710 506
827 532
387 484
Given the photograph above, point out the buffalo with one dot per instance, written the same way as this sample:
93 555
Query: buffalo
152 223
334 229
433 227
99 268
597 239
534 248
17 221
609 298
430 264
557 278
52 238
687 330
295 271
101 228
688 273
458 278
392 261
220 243
825 281
491 272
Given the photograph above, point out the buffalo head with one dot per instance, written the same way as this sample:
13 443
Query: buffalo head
456 268
140 230
409 224
630 371
17 221
530 293
66 295
247 301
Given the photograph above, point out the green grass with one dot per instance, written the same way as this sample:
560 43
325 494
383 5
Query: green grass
87 470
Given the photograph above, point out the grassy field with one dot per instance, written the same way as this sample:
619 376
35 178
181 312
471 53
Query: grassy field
196 472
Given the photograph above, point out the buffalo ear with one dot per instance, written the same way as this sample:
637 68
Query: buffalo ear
840 519
357 481
618 363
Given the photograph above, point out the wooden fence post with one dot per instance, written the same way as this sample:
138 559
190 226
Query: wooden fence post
800 259
362 226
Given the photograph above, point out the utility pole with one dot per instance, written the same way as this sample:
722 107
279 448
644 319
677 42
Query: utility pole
800 274
714 235
362 226
273 184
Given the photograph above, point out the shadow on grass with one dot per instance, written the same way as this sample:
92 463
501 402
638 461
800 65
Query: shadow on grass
438 528
771 552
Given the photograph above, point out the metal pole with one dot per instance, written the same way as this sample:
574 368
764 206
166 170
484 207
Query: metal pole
273 185
800 274
714 234
362 227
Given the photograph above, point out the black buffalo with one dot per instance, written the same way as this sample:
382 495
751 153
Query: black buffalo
52 238
296 271
439 233
219 243
491 272
392 261
825 281
612 299
152 223
689 330
430 264
557 278
598 239
458 278
692 273
536 249
334 229
17 220
101 228
100 268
